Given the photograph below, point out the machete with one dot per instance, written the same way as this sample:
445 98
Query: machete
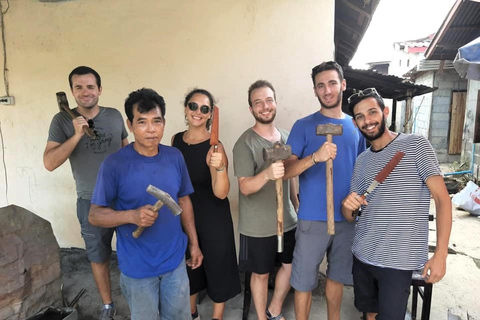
214 132
381 176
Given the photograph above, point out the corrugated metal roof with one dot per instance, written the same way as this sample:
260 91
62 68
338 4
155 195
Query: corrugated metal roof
428 65
461 26
352 18
389 87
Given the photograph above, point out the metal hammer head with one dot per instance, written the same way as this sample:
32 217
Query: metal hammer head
329 129
166 199
278 152
62 101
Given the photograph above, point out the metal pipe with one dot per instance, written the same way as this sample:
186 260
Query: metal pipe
465 171
458 172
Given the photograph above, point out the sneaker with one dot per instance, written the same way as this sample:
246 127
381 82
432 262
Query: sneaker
107 312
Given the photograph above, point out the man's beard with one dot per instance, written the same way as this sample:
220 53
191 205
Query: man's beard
337 102
375 136
263 121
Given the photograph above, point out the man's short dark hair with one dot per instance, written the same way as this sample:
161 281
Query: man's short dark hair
146 99
82 70
257 85
375 95
328 65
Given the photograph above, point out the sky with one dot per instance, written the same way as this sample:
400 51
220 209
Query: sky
399 20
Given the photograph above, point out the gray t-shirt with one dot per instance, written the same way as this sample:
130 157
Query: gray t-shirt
87 156
258 211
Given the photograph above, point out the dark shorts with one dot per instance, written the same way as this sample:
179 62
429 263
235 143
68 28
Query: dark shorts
259 255
98 241
381 290
313 243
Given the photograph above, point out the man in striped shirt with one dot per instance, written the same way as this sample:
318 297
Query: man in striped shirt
391 236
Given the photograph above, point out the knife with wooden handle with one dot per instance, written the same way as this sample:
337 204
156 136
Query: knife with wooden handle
214 132
381 176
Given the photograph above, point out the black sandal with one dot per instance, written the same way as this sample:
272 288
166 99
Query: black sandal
270 317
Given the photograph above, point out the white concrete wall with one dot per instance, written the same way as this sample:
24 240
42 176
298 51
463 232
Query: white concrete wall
402 61
170 46
469 127
422 106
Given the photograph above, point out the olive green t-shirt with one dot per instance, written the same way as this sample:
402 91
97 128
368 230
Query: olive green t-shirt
258 211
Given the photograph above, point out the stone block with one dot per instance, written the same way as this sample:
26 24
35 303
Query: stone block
438 132
30 275
439 141
438 124
437 116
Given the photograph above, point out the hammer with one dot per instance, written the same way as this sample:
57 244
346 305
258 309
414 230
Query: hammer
330 130
63 106
279 152
164 199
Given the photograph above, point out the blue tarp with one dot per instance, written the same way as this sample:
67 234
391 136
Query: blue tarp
467 61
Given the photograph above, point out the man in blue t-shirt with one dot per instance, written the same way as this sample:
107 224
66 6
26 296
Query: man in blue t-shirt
153 274
309 154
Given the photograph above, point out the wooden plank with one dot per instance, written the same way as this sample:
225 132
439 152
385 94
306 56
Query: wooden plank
457 118
476 137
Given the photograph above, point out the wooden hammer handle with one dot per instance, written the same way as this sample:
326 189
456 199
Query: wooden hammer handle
89 132
72 115
330 207
139 230
279 191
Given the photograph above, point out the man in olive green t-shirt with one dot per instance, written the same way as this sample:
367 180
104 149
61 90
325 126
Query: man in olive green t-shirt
257 204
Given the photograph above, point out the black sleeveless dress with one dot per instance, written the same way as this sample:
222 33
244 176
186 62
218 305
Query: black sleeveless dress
213 221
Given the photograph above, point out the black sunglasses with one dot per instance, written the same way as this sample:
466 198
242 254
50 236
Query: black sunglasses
91 125
194 106
363 93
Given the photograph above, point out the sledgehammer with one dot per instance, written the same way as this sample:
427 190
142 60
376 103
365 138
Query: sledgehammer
328 130
279 152
164 199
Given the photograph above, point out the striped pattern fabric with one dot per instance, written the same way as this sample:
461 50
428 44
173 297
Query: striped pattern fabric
392 231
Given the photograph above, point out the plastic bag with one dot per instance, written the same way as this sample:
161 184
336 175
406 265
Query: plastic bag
468 198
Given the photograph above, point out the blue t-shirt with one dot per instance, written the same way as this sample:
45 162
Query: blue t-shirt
121 183
304 141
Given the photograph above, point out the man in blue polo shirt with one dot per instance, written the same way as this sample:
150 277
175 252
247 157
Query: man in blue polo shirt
153 273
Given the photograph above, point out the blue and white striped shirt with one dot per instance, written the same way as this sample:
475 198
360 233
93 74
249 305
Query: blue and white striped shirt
392 231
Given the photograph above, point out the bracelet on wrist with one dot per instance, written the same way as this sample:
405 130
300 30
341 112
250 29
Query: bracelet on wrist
220 169
313 158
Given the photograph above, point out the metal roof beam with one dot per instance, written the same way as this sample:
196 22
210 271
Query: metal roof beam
354 7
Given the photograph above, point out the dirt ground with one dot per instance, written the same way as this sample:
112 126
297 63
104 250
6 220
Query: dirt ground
460 288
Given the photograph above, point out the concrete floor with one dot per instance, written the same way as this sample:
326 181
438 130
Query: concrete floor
460 288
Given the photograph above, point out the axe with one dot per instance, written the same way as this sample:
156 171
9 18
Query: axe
164 199
330 130
215 128
63 106
279 152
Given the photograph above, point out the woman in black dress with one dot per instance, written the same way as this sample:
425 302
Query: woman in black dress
213 220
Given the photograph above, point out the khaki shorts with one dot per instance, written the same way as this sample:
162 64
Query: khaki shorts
312 243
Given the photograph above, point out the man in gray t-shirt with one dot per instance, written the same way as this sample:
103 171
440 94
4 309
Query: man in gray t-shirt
257 204
67 140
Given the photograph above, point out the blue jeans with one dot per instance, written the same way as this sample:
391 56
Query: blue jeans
167 295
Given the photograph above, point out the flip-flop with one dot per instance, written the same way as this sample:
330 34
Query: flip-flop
270 317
